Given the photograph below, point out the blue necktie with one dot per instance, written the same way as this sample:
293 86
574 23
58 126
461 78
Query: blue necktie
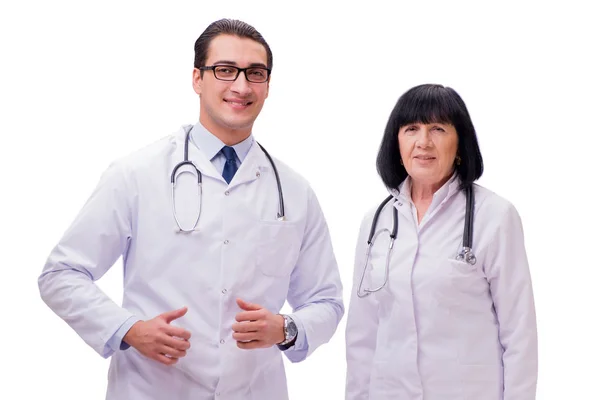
230 165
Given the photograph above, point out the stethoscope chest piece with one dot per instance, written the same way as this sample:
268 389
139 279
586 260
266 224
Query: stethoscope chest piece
466 255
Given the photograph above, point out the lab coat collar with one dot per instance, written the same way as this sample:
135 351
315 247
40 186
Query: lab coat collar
402 194
254 163
194 154
211 145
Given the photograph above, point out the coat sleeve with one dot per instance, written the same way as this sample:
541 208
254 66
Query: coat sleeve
361 327
98 236
511 289
315 292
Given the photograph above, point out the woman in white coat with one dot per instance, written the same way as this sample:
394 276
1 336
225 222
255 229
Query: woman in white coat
445 325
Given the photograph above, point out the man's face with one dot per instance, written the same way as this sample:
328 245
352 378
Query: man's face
231 106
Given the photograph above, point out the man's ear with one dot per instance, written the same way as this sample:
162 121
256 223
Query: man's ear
268 83
197 81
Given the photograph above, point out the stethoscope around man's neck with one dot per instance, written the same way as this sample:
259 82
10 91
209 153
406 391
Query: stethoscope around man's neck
186 161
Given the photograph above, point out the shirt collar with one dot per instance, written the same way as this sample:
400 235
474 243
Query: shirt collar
211 145
402 193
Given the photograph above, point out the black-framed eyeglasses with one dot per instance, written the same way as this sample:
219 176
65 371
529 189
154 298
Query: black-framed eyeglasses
231 73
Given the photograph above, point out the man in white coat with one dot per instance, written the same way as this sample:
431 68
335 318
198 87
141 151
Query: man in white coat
205 273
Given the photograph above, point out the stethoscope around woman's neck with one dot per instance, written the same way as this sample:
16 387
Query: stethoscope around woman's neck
465 254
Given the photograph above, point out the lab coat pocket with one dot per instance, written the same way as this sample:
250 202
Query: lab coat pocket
384 382
462 268
466 278
481 382
278 247
376 278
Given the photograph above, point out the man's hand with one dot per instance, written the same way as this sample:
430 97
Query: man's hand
158 340
257 327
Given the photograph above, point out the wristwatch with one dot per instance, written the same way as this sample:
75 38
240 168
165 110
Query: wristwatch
290 331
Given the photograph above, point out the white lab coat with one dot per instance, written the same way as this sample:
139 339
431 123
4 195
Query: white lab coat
239 250
442 329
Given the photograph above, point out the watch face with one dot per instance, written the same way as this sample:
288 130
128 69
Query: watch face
292 330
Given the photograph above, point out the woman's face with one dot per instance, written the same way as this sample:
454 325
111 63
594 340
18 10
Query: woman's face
428 151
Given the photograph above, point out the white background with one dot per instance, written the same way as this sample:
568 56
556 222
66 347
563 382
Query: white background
82 83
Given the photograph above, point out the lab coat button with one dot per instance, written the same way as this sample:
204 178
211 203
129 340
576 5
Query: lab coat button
224 291
222 341
258 174
227 193
226 241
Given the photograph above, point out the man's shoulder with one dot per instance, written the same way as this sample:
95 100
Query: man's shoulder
290 174
148 154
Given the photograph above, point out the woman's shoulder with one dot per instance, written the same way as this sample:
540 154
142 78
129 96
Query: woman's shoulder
493 206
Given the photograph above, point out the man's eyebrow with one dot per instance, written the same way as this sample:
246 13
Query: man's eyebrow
258 65
225 62
229 62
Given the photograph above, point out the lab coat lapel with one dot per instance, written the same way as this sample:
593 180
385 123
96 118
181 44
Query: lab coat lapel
199 158
402 202
450 189
252 166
